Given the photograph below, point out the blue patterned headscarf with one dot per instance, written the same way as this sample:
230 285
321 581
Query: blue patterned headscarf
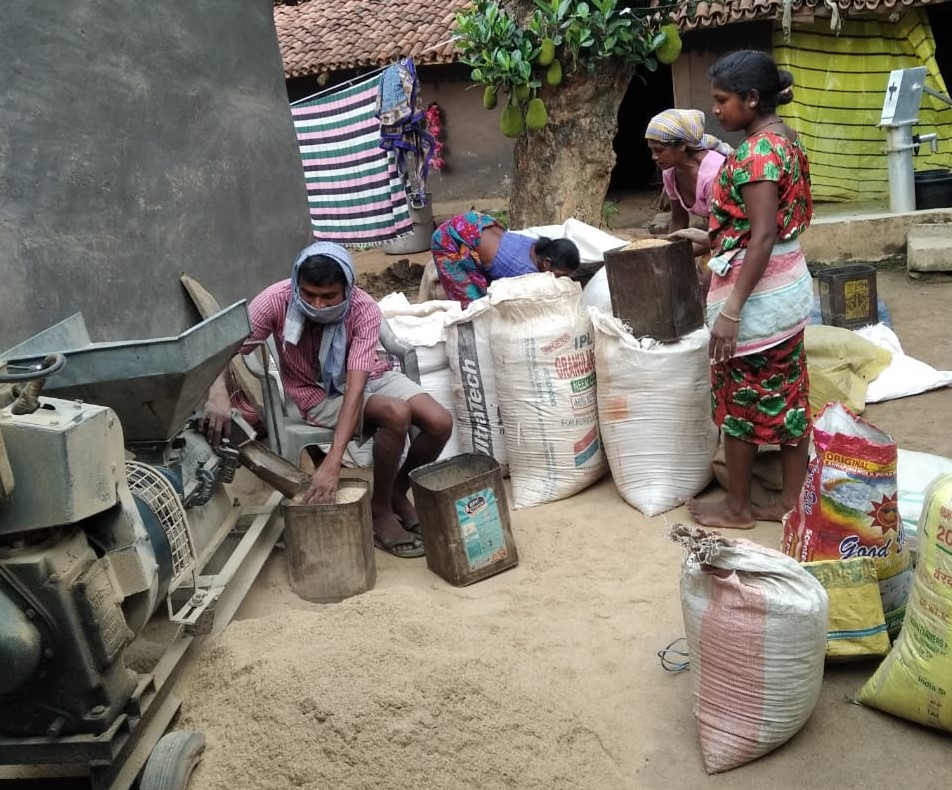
332 354
684 126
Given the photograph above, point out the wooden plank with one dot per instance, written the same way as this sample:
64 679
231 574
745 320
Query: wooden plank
207 305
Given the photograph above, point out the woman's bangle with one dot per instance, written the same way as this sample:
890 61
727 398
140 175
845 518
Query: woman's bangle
729 317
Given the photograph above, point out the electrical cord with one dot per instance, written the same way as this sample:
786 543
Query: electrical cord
674 660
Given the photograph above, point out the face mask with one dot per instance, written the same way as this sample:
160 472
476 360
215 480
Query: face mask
322 315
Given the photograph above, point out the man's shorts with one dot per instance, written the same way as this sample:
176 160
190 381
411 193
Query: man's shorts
391 383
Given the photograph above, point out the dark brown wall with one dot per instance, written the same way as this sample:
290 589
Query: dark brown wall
702 48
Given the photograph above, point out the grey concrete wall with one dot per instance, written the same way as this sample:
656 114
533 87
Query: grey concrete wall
863 237
140 140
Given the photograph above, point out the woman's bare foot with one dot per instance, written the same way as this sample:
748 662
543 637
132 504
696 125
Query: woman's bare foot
775 511
719 515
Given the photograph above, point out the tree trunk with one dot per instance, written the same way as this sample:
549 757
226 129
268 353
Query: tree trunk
563 170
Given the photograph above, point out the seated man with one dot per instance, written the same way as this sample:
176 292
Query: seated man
326 331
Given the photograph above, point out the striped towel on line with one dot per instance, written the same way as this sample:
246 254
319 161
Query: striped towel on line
355 196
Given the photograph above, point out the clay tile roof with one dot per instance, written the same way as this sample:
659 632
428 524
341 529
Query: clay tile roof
329 35
714 13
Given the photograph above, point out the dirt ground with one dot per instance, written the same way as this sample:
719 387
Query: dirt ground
545 676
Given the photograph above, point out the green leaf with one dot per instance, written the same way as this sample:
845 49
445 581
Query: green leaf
582 10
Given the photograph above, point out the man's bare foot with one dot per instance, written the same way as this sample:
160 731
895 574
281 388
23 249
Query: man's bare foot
775 511
387 528
404 510
718 514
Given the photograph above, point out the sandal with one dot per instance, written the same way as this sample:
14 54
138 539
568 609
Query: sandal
401 547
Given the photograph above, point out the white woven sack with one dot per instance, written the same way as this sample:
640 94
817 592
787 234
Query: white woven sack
596 292
755 622
544 364
654 413
469 352
423 327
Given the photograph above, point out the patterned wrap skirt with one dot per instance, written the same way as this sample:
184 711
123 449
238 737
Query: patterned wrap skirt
763 398
462 274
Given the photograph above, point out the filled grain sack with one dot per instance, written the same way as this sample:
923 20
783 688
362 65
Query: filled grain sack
914 473
848 505
756 627
596 293
469 351
857 623
654 414
915 679
423 327
544 365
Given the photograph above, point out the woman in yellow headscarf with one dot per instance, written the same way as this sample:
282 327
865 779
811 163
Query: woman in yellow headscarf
689 160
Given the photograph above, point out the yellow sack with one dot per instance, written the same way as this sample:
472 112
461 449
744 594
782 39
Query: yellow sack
857 625
915 680
841 364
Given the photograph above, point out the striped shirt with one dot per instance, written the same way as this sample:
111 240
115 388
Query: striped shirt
298 364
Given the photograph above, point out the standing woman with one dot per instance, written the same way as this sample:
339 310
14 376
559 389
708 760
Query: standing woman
689 160
471 250
761 292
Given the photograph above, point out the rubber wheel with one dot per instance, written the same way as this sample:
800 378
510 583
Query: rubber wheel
172 761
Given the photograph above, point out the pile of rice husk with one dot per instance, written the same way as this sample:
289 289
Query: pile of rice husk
391 689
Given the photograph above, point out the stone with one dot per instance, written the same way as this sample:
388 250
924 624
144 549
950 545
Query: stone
929 248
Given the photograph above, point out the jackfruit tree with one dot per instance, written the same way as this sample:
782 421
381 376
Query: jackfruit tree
559 70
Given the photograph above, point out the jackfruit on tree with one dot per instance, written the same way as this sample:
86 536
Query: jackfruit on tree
668 52
536 115
546 52
489 97
553 74
510 121
521 93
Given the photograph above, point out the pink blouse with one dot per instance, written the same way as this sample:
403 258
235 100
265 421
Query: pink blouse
706 173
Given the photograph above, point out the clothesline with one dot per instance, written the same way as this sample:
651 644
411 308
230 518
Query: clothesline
366 74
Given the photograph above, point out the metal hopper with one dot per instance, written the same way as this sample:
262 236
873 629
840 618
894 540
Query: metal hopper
152 385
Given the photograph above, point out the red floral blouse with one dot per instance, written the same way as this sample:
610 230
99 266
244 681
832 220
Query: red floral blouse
765 157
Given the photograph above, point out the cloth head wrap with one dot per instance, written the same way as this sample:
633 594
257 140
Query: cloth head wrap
332 354
684 126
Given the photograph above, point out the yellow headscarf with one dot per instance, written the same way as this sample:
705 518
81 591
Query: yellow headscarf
684 126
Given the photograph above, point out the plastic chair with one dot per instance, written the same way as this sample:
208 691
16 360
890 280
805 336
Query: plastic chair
288 433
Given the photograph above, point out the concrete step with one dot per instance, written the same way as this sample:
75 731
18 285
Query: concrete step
929 248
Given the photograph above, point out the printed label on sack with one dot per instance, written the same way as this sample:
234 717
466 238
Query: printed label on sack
848 508
560 342
475 396
481 529
586 447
